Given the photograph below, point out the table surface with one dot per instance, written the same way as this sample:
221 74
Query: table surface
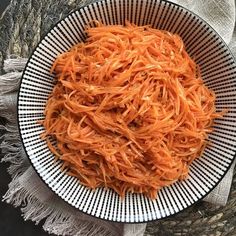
21 27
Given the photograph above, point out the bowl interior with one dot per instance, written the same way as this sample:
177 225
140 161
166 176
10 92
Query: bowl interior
218 70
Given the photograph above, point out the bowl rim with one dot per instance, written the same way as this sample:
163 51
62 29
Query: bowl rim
22 140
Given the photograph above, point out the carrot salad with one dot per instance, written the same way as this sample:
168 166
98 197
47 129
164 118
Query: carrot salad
129 110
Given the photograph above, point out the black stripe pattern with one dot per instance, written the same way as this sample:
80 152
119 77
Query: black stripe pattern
218 69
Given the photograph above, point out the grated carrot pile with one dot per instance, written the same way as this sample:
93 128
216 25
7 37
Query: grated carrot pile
129 110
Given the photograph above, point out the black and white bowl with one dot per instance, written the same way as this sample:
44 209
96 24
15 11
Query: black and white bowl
218 69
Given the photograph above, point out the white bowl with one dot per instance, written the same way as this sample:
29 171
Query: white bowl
218 71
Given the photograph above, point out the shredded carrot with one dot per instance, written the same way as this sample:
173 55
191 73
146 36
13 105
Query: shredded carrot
129 110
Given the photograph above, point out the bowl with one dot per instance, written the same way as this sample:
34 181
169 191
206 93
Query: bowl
218 70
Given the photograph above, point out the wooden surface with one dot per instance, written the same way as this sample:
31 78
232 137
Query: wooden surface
21 27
